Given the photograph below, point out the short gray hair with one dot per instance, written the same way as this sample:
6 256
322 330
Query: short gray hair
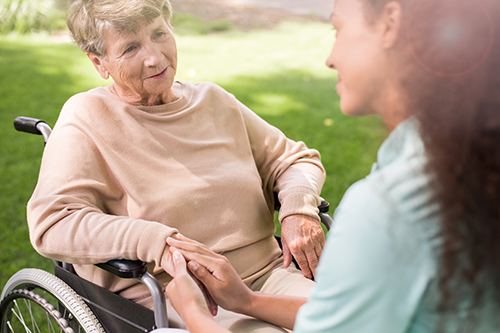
88 19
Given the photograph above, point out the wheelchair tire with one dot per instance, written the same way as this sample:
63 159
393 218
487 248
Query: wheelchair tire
34 300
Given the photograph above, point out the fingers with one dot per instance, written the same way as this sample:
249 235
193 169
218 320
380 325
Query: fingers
214 265
303 262
211 304
202 274
179 264
167 262
304 239
287 255
186 244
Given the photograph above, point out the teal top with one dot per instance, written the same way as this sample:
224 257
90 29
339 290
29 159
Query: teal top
378 270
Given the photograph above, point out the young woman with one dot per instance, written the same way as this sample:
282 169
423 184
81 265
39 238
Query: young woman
416 243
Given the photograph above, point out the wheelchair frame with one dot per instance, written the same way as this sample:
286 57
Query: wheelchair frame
77 303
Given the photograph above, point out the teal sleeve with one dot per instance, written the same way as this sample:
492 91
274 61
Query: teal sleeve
373 271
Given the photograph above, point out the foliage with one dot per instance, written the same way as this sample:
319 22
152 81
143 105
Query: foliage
25 16
189 24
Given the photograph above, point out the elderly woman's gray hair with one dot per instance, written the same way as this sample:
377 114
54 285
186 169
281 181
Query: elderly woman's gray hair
88 19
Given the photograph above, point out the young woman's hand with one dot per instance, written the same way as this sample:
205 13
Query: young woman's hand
168 264
188 300
215 272
183 291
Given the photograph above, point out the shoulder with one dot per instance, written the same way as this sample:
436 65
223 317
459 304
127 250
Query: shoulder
93 97
209 90
215 100
93 109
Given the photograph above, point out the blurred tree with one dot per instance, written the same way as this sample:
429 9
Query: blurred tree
26 16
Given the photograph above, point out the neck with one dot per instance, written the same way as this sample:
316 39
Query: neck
169 96
393 108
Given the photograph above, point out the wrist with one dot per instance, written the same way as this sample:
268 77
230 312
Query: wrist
252 302
195 316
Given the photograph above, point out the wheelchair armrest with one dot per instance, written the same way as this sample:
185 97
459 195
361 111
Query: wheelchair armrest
126 269
136 269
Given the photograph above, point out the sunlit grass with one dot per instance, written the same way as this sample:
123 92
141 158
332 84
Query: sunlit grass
280 74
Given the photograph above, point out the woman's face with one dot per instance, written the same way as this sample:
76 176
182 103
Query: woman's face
142 64
357 56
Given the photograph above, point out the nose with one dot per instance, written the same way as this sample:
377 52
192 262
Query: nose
329 61
153 55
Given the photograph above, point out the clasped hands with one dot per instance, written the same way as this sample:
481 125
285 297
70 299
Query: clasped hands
193 265
301 235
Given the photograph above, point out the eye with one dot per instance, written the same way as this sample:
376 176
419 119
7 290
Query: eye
159 34
129 49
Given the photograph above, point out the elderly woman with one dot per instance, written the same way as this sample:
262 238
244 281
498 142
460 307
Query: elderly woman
415 245
146 157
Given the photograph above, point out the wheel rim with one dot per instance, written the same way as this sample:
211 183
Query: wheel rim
25 310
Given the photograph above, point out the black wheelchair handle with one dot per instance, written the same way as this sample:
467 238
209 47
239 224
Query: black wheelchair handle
28 125
324 207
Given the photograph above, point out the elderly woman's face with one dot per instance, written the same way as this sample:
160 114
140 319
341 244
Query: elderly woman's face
142 64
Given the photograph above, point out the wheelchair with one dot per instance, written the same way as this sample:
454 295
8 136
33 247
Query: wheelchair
34 300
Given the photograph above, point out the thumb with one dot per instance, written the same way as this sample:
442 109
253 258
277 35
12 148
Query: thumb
287 255
200 272
204 275
179 263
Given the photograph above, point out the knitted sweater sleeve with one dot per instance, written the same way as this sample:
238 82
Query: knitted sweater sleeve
287 167
69 212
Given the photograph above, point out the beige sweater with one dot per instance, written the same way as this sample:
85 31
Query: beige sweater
116 180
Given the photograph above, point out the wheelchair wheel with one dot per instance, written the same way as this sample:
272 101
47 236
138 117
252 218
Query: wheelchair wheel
36 301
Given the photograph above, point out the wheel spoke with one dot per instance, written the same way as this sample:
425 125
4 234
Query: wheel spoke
20 317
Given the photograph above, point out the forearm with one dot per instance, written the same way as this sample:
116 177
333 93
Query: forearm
275 309
86 236
299 189
199 321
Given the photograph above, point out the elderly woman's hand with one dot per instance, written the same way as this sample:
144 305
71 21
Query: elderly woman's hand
303 238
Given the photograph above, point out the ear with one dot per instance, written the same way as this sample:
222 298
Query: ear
98 64
390 19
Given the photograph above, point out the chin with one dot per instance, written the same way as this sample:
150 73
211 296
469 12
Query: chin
354 108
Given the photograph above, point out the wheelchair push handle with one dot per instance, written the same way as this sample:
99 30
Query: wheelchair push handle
33 126
28 125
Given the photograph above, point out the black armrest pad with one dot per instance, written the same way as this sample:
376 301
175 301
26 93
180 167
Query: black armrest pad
127 269
323 207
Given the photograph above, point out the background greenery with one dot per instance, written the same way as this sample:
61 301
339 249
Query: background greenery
280 74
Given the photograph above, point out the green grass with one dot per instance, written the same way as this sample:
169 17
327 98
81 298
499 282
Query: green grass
280 74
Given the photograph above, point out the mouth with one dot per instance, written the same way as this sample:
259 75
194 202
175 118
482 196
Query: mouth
339 85
159 75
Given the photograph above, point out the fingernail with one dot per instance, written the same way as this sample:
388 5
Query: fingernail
177 255
193 265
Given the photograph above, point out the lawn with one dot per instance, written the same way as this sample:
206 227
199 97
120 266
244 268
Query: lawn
280 74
